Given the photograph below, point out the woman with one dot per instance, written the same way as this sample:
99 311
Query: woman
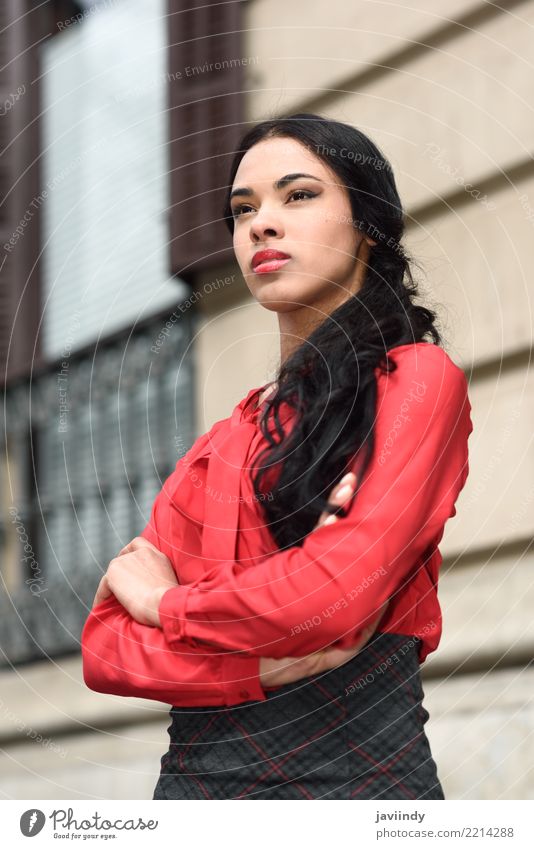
283 595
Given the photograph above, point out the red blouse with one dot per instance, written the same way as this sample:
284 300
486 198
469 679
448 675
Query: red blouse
240 598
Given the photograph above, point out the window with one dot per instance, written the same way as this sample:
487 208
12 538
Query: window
90 442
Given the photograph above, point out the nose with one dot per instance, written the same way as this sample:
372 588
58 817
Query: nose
264 224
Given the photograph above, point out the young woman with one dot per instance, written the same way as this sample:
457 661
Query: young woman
284 592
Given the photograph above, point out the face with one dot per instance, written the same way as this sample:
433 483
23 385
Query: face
308 218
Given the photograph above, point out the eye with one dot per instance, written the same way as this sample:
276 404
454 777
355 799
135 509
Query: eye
303 192
239 210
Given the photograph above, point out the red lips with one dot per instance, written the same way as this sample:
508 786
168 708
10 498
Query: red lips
263 256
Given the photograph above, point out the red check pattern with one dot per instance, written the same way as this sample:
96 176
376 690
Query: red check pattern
356 732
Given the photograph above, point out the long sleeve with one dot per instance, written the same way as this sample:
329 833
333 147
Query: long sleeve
123 657
304 598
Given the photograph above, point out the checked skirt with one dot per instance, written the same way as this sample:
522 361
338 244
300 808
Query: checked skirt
355 732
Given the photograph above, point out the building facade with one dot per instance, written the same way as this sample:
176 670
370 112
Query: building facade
444 90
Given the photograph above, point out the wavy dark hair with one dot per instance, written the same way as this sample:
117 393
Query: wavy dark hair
329 381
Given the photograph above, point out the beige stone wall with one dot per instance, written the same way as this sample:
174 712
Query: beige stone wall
62 741
236 344
445 89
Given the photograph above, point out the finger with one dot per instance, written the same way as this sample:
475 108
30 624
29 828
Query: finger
134 545
129 547
103 591
339 495
329 519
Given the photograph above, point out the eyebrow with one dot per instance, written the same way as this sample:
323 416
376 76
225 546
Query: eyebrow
278 184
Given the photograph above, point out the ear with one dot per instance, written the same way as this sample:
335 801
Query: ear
364 247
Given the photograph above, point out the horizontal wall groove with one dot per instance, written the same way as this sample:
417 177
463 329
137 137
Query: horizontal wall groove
436 37
500 365
478 663
506 177
57 733
519 547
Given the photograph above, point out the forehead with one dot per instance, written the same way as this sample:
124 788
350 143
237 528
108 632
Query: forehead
270 159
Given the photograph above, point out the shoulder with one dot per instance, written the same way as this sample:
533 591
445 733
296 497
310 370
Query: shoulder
424 355
428 389
422 406
425 367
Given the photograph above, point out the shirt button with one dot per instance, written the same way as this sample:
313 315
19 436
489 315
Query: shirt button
244 694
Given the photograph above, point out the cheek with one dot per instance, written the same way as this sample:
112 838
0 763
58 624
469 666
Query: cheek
240 251
340 241
343 235
243 243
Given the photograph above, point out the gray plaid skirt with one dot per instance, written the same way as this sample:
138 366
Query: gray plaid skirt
355 732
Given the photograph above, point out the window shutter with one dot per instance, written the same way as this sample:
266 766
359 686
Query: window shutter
206 113
21 26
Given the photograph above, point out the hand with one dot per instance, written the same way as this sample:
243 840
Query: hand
138 577
339 496
275 672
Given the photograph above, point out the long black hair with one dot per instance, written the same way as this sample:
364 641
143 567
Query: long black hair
329 380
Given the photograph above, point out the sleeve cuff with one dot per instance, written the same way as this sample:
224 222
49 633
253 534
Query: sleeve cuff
241 679
240 674
172 615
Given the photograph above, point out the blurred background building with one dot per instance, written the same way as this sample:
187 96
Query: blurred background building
126 329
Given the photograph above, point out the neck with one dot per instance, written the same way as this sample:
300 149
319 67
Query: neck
297 325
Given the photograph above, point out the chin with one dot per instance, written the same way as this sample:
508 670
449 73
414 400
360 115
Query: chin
284 296
274 305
